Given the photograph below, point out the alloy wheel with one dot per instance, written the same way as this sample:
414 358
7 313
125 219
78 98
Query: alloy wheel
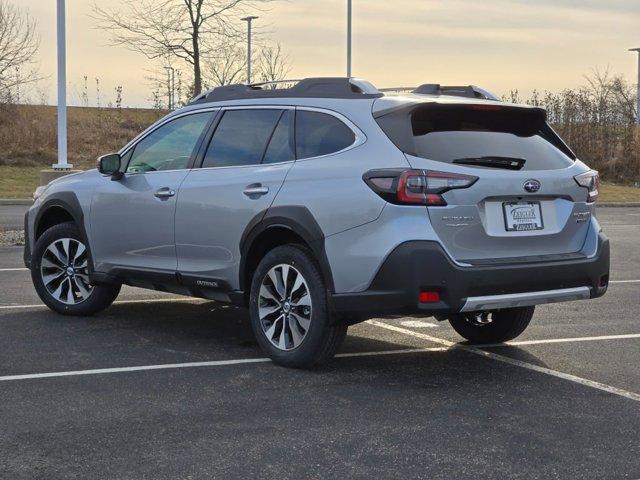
284 307
64 271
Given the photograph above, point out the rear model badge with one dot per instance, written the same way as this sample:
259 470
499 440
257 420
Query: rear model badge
457 220
531 186
582 217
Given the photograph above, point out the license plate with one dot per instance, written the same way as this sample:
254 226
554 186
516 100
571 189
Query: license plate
522 216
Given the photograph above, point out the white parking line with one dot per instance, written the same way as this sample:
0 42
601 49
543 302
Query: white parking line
100 371
624 281
447 345
118 302
418 324
560 340
512 361
214 363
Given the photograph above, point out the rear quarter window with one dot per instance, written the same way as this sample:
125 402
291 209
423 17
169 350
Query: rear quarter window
320 134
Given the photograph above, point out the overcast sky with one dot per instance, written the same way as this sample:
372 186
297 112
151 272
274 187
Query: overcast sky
497 44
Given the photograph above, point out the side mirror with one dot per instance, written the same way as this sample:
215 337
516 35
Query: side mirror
110 165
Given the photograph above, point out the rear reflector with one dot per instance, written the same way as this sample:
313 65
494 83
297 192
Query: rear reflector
429 297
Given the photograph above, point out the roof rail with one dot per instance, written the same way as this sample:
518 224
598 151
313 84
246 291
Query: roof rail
322 87
469 91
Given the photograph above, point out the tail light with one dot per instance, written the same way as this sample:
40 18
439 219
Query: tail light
415 187
591 181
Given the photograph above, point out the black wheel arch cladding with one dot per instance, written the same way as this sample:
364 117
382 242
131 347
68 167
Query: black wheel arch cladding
68 202
300 221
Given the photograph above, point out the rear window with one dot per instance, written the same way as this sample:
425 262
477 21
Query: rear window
480 136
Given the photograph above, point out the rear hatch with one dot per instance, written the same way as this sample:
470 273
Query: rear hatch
525 204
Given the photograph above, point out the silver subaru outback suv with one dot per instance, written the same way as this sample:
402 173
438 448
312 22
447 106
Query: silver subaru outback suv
323 204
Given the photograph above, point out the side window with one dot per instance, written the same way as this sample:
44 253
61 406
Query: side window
320 134
280 147
170 146
241 137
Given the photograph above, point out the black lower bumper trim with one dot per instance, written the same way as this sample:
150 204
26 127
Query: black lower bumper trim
418 266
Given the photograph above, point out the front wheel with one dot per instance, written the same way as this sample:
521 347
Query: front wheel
492 327
60 273
289 312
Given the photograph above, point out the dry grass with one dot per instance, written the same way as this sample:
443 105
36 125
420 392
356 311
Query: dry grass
28 133
18 182
610 192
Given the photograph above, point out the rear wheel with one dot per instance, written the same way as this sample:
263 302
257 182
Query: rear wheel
60 273
492 327
289 312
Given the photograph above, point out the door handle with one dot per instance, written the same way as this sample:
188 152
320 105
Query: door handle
164 192
255 189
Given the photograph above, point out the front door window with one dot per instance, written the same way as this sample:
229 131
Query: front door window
169 147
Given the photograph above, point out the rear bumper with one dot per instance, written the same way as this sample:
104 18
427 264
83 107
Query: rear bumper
424 266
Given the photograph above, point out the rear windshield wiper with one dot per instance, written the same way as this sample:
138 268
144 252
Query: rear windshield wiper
508 163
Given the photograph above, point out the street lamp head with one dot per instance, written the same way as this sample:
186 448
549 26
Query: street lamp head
248 19
634 50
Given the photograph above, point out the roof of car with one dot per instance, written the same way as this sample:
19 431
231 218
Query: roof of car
331 88
321 87
330 91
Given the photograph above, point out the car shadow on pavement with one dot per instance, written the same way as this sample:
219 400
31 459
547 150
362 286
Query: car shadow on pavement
159 332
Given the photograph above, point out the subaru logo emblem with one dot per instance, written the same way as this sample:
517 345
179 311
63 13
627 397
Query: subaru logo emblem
531 186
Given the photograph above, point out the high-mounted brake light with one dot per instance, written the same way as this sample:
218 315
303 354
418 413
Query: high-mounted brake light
591 181
486 108
416 187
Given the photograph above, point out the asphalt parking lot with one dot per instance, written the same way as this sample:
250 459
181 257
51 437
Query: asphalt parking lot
170 387
12 217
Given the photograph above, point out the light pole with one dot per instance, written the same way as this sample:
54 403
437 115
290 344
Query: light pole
349 38
62 90
638 94
248 20
171 84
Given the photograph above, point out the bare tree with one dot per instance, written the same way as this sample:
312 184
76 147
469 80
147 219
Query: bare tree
188 29
273 64
227 66
19 44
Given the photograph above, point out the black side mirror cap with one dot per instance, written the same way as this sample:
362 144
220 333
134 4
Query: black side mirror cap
110 165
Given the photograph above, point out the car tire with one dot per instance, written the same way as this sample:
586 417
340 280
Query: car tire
289 309
503 325
59 271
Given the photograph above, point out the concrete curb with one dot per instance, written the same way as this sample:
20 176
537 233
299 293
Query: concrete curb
618 204
16 201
